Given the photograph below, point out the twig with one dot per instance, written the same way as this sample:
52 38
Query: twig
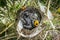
7 35
7 28
45 35
47 15
9 38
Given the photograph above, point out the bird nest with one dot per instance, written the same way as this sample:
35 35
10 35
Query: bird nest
30 30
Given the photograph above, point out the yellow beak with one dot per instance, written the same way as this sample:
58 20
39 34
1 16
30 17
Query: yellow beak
36 23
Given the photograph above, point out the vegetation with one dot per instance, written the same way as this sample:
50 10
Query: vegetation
8 12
